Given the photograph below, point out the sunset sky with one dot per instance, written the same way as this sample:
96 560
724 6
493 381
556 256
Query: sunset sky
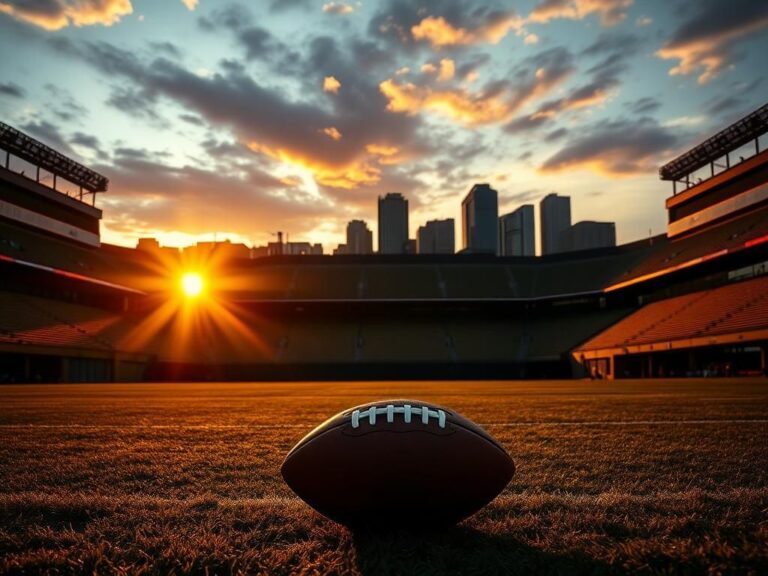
242 119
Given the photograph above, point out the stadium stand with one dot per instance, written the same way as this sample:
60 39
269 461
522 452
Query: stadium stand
74 308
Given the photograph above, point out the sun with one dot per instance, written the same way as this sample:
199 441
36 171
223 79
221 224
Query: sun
192 284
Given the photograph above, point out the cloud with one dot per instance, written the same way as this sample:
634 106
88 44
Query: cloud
338 8
58 14
442 24
257 42
12 90
644 105
616 148
439 32
496 102
148 197
190 4
332 132
330 84
611 12
269 123
49 134
447 70
704 43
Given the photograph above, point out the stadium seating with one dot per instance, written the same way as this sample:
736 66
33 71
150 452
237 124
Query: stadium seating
29 320
736 307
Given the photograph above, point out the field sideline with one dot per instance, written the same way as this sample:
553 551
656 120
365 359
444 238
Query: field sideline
641 476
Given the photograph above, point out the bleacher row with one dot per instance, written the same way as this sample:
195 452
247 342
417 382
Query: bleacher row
29 320
738 307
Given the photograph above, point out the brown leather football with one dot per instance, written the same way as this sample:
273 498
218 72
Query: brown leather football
397 463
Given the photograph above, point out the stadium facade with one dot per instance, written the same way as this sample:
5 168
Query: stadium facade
689 302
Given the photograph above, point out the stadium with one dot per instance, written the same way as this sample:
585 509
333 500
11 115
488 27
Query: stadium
690 302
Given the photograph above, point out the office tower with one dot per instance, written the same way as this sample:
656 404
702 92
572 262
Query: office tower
393 224
437 237
359 238
517 232
588 235
480 214
555 214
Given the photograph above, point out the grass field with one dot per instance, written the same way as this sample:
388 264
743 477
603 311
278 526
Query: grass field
659 477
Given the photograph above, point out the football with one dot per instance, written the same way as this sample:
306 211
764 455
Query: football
397 463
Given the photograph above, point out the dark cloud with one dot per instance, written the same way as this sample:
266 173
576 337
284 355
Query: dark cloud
165 49
622 147
555 135
643 106
704 43
284 5
265 119
257 42
86 140
12 90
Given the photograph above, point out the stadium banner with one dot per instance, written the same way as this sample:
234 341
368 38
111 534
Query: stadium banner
48 224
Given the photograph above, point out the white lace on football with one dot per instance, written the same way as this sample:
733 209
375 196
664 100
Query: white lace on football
390 410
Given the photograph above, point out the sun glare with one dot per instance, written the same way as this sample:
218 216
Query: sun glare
192 284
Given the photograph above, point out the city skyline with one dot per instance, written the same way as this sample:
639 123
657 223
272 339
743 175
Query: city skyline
296 116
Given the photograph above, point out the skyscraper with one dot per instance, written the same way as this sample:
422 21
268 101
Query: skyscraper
359 238
555 214
517 232
480 214
393 224
437 237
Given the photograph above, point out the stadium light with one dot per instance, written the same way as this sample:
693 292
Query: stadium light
192 284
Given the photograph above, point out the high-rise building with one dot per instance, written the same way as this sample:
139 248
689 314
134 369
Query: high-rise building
359 238
517 232
393 224
588 235
555 215
480 214
437 237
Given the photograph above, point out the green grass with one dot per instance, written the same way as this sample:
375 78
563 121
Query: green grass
652 477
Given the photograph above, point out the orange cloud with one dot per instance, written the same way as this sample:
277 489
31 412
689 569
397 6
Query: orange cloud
338 8
356 173
190 4
470 108
332 132
708 54
610 11
330 84
456 104
439 32
386 155
447 70
57 15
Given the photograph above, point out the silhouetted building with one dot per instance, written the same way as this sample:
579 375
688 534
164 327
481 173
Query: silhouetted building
410 246
340 250
152 246
517 232
302 249
480 215
224 250
555 214
393 224
588 235
359 238
437 237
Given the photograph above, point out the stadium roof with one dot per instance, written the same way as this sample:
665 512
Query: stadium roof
737 134
34 151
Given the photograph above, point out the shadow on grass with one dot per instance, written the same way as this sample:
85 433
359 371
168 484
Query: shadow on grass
462 550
